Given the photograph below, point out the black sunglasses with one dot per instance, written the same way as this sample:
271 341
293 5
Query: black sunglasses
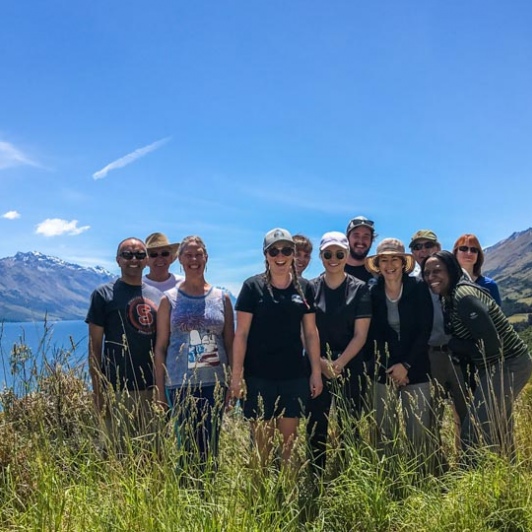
286 251
327 255
155 254
128 255
426 245
465 249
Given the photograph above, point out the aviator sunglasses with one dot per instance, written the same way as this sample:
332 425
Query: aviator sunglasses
155 254
286 251
128 255
465 249
327 255
426 245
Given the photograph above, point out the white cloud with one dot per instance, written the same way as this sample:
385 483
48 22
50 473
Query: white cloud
11 156
57 227
129 158
11 215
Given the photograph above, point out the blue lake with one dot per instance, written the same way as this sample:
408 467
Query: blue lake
45 340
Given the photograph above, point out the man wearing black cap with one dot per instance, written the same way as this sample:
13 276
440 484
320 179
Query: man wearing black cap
361 233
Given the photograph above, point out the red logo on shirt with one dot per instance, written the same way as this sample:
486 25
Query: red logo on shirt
141 313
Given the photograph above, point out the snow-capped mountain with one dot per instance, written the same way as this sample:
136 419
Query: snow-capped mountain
34 285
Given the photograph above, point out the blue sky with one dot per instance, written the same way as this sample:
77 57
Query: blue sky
227 118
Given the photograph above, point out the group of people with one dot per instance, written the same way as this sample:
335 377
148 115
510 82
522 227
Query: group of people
394 334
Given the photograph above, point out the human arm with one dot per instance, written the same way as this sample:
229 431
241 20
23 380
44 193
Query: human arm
475 317
161 347
229 329
96 333
243 324
312 345
360 334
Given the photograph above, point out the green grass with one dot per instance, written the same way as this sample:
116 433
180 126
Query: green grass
56 474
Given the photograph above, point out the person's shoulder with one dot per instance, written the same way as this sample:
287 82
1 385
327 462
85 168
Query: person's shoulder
178 278
355 282
107 287
151 292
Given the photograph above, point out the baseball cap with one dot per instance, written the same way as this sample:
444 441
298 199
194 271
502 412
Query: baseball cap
276 235
423 234
360 221
334 238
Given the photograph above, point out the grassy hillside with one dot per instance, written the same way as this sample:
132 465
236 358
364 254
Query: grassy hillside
57 472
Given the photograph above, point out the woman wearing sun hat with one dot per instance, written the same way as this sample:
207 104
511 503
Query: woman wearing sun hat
272 310
400 329
343 315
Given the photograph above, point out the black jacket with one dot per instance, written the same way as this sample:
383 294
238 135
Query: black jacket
411 346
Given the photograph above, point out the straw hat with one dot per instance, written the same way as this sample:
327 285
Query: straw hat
160 240
390 246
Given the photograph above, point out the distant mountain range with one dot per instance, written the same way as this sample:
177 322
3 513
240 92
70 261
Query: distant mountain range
509 262
33 285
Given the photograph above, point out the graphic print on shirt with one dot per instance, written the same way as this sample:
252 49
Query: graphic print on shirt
194 319
141 314
202 349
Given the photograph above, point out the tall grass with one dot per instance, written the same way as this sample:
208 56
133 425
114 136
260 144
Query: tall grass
58 472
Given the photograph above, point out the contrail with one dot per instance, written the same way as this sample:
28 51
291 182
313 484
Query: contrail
129 158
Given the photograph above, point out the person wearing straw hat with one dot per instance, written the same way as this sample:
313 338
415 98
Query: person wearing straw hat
400 329
161 255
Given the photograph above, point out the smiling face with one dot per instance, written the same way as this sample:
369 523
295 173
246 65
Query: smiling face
131 268
436 276
159 261
467 255
302 260
391 267
360 240
281 264
422 248
193 258
334 259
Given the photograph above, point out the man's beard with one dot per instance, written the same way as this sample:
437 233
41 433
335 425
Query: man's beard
358 255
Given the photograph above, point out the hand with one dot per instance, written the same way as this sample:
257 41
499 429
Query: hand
316 385
327 368
236 390
398 374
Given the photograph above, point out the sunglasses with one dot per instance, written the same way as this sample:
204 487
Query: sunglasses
426 245
327 255
465 249
128 255
286 251
155 254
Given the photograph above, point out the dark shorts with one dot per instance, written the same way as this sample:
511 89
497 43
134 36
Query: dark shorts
270 398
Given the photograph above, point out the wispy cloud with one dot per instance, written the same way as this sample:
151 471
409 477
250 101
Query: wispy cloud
129 158
57 227
11 215
11 156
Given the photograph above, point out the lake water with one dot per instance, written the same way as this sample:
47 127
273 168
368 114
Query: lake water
44 340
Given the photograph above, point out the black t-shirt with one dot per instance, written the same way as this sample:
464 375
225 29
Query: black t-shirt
359 272
128 315
274 348
336 313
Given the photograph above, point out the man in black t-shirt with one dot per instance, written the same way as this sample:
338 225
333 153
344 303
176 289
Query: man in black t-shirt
361 233
122 325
